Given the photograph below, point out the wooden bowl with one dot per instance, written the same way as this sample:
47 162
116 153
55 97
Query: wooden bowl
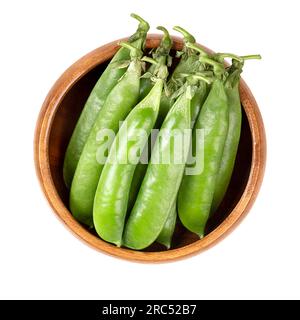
56 122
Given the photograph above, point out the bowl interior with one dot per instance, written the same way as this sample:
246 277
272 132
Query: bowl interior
64 122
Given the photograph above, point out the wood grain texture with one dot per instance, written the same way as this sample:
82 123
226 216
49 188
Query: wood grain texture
57 119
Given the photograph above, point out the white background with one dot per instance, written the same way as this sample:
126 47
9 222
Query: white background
39 258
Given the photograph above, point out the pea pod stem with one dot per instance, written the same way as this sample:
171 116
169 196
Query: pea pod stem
238 58
189 62
252 56
139 18
158 68
214 64
197 76
218 67
165 44
187 37
150 60
202 77
197 48
222 56
134 52
142 28
164 30
161 71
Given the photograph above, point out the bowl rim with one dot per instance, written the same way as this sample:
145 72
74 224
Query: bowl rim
41 138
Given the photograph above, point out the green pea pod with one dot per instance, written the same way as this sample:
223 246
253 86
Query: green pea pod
161 55
110 204
166 234
196 191
232 139
197 101
96 99
122 98
162 180
234 128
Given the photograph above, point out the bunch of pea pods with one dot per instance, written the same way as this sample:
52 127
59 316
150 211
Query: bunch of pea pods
135 203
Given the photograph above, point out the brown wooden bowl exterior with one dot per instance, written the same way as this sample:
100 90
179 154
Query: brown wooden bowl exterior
57 119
